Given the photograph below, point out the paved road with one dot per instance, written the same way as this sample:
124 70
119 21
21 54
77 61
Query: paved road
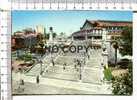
46 89
54 86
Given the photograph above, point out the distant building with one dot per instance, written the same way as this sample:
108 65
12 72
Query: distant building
40 29
24 39
18 33
17 42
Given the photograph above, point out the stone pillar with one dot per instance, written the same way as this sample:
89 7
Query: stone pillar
105 58
92 41
72 38
97 32
104 34
86 37
104 38
104 63
101 72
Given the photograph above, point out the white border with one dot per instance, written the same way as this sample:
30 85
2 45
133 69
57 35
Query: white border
73 6
70 6
93 5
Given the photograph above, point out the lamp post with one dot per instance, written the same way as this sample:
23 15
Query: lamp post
41 67
80 76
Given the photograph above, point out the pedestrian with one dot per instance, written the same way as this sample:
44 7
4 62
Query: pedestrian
77 69
75 66
80 77
88 56
41 72
37 79
64 66
84 61
53 63
21 85
79 64
22 82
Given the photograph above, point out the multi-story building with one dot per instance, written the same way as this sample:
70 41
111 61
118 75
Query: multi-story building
101 29
97 31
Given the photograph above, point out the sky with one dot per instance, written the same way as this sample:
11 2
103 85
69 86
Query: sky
63 21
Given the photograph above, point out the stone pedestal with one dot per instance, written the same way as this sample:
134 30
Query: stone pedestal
51 34
50 42
105 58
104 62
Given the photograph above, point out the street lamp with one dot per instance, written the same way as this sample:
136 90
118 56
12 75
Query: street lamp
41 67
80 75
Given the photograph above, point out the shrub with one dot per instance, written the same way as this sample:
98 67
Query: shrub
123 63
108 74
25 57
123 85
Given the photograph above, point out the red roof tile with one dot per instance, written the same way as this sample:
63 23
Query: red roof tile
102 23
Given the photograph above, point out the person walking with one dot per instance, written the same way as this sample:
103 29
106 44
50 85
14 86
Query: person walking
37 79
75 66
53 64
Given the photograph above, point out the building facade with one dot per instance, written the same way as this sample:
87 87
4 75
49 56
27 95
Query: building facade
99 32
24 39
101 29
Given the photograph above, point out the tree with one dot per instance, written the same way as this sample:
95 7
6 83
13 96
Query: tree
40 43
47 36
62 34
123 85
126 41
54 35
40 37
45 33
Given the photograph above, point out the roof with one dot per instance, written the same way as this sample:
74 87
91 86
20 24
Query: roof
98 24
106 23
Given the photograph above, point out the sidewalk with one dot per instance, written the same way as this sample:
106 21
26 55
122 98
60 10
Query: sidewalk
93 88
